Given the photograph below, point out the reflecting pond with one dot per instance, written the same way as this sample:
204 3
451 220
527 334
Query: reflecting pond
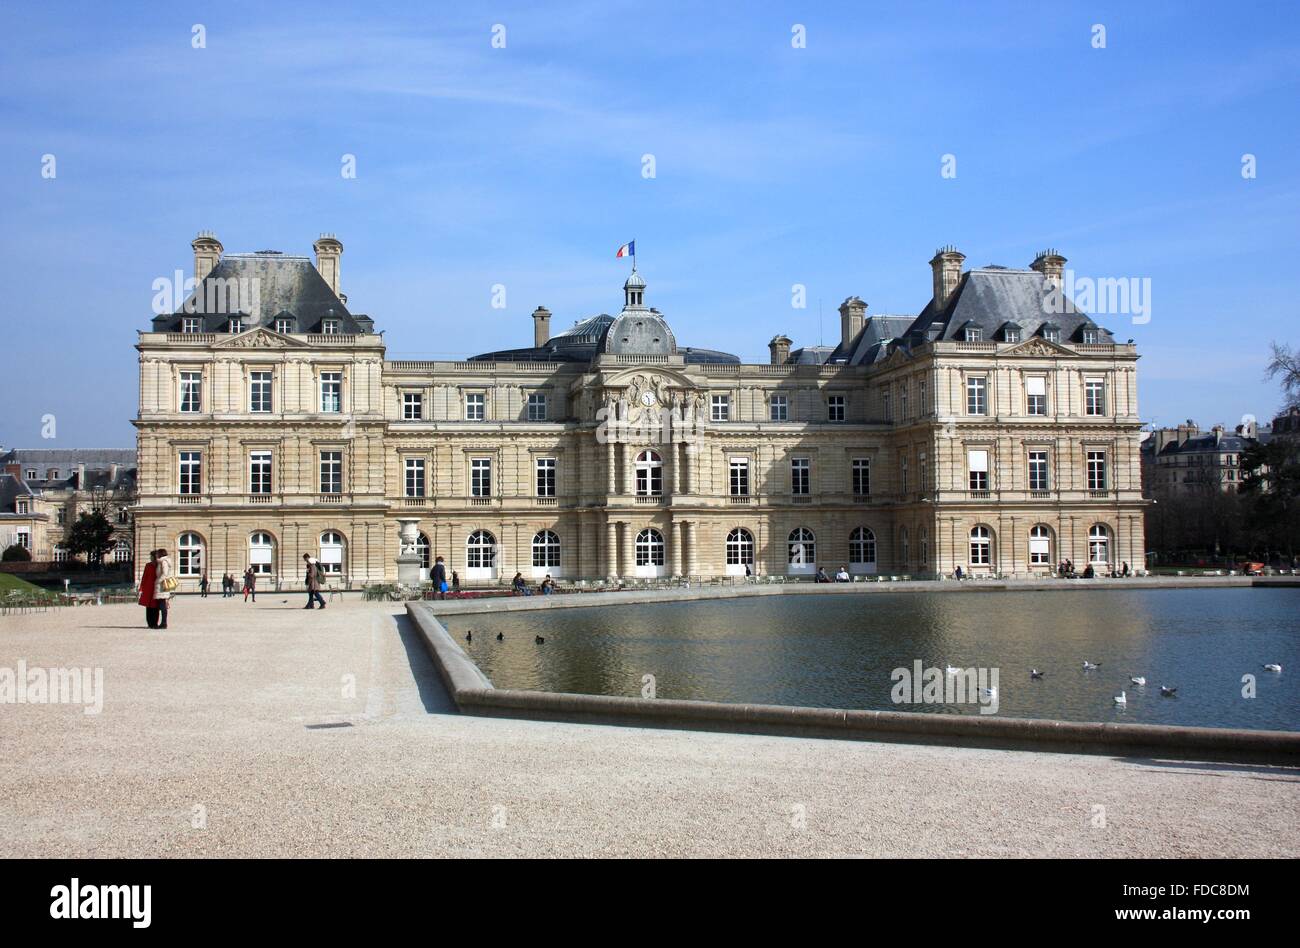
841 651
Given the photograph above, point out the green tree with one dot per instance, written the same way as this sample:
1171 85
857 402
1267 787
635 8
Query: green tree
1271 484
92 536
16 554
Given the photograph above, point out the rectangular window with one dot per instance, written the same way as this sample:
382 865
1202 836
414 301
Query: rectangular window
259 392
721 407
922 396
835 408
1096 470
861 476
1012 334
739 477
331 472
902 474
1091 337
537 406
902 401
191 469
62 516
886 407
259 472
1036 395
415 477
236 326
922 472
329 327
191 391
480 477
31 474
978 468
412 406
974 334
284 326
1094 397
475 406
24 538
189 324
800 476
546 477
976 395
1038 470
331 392
778 408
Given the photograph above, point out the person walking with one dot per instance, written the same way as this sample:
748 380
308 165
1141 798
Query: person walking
440 578
148 580
164 584
455 584
250 584
312 579
203 587
228 585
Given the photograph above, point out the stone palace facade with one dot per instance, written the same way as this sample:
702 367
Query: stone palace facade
997 430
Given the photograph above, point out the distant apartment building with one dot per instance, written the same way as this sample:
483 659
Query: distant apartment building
1184 460
43 491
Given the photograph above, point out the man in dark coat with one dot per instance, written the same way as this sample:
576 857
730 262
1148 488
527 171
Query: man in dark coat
439 578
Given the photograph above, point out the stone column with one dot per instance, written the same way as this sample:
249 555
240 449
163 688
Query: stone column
629 548
692 557
611 549
676 454
677 547
610 462
629 470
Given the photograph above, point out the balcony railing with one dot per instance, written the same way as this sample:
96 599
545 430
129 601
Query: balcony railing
649 498
259 498
480 501
1040 495
547 501
413 501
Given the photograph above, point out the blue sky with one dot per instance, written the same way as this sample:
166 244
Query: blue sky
522 166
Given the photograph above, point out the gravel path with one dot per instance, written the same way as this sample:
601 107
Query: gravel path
204 748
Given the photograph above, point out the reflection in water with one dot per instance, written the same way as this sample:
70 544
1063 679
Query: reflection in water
839 651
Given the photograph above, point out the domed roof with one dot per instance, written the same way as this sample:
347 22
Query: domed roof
634 281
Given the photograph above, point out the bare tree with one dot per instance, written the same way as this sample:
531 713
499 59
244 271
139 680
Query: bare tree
1285 364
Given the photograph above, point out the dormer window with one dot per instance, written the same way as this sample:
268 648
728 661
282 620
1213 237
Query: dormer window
189 324
974 334
22 506
1051 334
1011 334
236 326
283 325
1091 336
31 473
329 327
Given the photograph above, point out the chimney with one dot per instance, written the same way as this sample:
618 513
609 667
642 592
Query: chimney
853 316
946 266
112 474
541 326
81 477
1051 265
328 251
780 349
207 252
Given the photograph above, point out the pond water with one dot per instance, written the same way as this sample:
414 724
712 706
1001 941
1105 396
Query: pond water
842 652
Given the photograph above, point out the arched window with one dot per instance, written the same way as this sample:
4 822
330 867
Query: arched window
332 552
981 546
189 555
740 551
649 550
904 546
1040 546
802 550
261 552
422 549
1099 544
862 550
649 474
121 551
481 555
546 551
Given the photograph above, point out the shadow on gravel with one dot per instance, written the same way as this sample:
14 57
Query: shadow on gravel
433 695
1269 772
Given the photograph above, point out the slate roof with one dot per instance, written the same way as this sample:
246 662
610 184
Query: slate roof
11 488
584 340
281 285
990 297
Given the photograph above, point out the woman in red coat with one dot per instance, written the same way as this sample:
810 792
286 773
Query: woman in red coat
148 582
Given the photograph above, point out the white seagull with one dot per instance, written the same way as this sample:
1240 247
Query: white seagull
1035 673
1138 680
1273 667
1167 691
1089 666
1121 698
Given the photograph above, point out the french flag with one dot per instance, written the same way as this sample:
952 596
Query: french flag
627 250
